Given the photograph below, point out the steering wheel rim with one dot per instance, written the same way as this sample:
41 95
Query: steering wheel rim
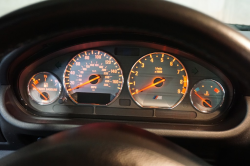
21 27
103 144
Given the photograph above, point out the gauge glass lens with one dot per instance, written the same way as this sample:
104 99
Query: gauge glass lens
158 80
93 77
44 88
207 96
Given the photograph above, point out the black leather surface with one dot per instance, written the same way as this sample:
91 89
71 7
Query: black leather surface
102 144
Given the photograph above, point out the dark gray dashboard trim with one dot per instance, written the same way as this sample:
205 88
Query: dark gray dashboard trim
242 128
238 131
24 125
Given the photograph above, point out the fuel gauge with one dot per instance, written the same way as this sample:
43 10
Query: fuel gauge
207 95
44 88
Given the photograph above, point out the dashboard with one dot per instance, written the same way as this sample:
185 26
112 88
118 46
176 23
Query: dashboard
124 80
154 65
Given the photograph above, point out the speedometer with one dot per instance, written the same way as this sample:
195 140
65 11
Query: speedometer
158 80
93 77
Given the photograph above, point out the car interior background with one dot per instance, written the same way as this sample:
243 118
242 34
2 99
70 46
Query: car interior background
163 83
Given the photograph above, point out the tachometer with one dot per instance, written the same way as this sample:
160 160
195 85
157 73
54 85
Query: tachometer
93 77
158 80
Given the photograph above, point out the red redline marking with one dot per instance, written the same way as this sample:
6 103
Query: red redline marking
216 90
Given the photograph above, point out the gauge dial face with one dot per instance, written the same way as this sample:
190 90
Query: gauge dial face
207 96
158 80
93 77
44 88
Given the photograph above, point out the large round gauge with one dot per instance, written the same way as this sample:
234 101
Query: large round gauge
207 95
44 88
93 77
158 80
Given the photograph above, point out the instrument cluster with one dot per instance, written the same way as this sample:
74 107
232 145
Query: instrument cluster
124 81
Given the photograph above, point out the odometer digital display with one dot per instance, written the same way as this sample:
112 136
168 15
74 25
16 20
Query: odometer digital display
93 77
158 80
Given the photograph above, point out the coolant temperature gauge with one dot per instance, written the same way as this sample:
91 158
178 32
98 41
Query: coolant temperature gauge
207 96
44 88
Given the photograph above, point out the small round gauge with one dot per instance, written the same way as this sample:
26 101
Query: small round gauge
93 77
44 88
207 95
158 80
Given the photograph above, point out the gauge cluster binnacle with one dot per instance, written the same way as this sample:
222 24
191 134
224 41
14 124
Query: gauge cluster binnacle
127 82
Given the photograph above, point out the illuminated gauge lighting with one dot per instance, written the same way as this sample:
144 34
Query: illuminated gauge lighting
207 96
158 80
93 77
44 88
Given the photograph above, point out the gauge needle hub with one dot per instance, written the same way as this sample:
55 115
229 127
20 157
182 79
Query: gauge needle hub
85 83
150 86
202 99
39 92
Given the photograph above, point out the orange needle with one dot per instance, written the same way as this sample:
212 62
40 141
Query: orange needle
202 99
97 77
39 92
149 86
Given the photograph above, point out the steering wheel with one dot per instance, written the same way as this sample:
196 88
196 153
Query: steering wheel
116 144
103 144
